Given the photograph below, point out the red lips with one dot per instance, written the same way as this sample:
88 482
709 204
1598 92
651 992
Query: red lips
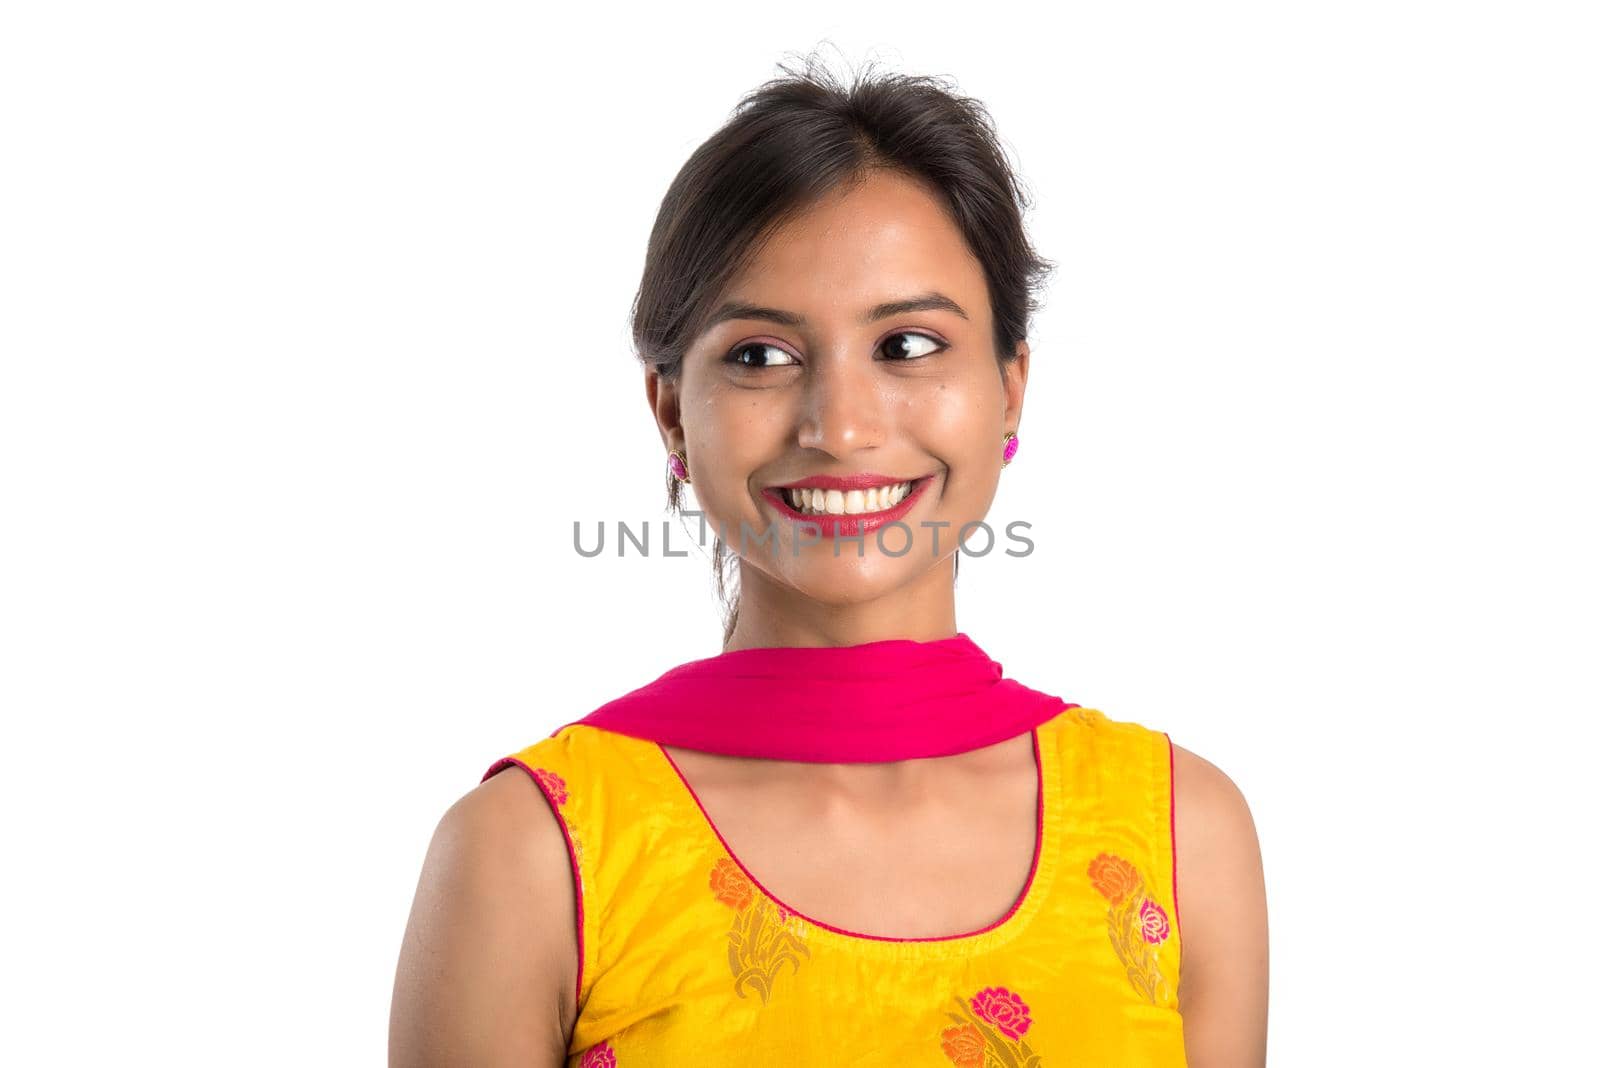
847 525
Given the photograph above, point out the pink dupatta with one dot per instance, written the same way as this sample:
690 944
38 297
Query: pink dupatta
896 699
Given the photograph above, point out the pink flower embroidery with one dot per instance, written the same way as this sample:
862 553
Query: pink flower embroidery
1153 922
556 787
553 783
1003 1009
988 1031
601 1056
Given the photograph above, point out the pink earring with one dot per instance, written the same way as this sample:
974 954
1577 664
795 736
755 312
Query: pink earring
678 466
1010 449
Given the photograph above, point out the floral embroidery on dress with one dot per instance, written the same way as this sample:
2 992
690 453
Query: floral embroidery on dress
1136 923
556 787
764 934
555 784
599 1056
989 1030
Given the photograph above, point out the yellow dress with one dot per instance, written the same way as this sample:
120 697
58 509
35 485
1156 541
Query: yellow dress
687 960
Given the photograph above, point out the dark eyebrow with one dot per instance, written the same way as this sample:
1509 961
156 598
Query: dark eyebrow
738 309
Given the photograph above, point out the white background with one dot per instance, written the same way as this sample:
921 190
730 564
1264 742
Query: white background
315 345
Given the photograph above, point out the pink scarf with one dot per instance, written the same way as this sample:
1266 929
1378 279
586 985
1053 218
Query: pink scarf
896 699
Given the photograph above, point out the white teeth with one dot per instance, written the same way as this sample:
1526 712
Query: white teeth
854 502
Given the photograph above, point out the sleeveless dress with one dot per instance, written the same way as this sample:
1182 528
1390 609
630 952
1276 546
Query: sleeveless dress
685 958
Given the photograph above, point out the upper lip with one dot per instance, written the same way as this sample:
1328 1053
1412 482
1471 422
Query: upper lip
845 482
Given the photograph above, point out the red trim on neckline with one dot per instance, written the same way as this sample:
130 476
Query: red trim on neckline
1016 906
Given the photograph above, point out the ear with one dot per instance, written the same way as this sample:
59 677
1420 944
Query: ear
1014 377
662 393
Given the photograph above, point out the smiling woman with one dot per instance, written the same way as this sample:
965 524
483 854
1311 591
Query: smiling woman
861 329
886 261
846 837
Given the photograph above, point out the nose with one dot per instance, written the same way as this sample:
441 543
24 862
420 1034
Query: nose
843 407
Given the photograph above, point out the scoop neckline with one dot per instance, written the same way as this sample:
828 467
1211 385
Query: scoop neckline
1030 900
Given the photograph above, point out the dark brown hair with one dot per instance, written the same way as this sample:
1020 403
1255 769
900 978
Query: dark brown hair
794 140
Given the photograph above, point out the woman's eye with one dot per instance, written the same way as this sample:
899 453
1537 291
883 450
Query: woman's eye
902 347
897 350
738 355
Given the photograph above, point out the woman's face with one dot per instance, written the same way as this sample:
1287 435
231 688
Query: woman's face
844 386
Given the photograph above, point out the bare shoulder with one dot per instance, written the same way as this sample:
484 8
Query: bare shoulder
1222 915
488 965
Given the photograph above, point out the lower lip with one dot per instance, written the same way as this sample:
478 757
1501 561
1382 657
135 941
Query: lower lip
850 526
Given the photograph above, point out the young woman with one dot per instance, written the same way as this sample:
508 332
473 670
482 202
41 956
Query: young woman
846 838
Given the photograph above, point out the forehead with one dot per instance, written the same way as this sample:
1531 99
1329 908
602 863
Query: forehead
884 238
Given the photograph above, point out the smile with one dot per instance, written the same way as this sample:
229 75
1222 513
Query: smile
845 510
811 501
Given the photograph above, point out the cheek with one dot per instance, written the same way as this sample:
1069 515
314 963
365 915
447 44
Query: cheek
733 435
951 419
751 428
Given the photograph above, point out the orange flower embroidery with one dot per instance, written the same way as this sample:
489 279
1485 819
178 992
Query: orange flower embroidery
730 885
1136 923
1113 877
764 934
964 1045
599 1056
989 1030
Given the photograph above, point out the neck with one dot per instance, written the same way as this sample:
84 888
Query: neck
772 614
878 783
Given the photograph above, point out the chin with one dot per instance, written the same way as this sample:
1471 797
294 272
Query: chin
846 579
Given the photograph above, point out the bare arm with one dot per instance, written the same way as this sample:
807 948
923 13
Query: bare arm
1222 911
489 961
